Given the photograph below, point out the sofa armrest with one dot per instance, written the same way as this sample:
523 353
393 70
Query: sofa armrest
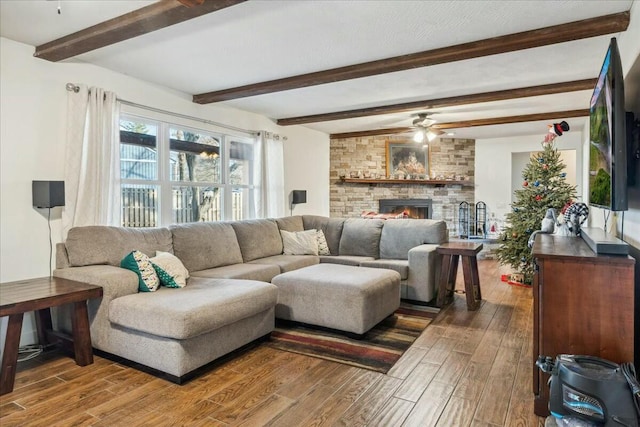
62 257
424 270
115 282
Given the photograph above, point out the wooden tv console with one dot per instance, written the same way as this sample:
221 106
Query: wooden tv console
582 304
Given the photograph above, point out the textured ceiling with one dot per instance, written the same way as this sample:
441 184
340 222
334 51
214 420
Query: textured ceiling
264 40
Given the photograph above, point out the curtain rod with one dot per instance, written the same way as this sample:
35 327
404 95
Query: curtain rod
71 87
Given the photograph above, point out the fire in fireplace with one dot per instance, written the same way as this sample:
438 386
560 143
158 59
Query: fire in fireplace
414 208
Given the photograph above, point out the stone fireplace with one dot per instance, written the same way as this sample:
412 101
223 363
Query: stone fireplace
366 155
414 208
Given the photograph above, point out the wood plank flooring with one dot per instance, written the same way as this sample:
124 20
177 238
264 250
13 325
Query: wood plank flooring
466 369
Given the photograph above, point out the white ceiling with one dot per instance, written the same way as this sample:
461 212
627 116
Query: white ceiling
263 40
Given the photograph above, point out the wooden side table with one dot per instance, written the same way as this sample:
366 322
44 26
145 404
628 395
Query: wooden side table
451 252
39 295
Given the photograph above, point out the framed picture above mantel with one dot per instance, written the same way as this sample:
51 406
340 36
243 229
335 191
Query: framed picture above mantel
407 160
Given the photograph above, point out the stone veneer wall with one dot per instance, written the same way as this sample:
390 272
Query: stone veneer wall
448 157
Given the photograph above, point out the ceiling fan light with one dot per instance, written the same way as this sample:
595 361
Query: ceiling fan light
431 136
418 136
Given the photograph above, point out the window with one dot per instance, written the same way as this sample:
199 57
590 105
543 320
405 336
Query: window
174 174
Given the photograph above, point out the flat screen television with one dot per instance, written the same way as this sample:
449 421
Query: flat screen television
608 136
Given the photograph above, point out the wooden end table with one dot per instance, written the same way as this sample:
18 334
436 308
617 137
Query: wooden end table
39 295
451 252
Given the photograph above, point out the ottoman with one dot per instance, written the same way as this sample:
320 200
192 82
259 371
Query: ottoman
347 298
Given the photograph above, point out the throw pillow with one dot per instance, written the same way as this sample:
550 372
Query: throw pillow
165 278
300 242
140 264
171 265
323 247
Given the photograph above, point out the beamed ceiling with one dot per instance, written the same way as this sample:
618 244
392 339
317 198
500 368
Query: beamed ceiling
346 68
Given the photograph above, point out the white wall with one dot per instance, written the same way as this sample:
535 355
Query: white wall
32 141
307 168
493 184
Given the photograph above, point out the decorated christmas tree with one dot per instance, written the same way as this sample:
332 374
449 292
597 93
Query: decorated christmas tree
544 186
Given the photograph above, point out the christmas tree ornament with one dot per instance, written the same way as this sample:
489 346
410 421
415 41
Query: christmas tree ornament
515 209
538 197
545 166
563 175
540 160
523 259
514 235
556 129
524 184
559 128
537 183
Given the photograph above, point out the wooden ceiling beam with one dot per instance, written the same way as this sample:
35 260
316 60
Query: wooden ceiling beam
558 115
141 21
372 132
191 3
508 43
500 95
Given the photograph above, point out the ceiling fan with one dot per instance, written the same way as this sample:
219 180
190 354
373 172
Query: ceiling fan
424 129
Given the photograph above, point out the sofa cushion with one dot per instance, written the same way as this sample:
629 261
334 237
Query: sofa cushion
258 238
170 265
288 262
300 242
262 272
331 227
140 264
203 306
99 244
398 236
202 245
361 237
290 223
399 265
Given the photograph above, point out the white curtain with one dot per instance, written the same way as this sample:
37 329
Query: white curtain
269 171
92 158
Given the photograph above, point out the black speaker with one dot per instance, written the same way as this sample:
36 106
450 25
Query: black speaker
299 196
47 194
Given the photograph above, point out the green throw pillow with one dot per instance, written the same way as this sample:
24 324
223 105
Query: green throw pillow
140 264
165 278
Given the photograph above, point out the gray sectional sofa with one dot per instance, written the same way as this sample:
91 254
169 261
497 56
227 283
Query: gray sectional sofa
229 300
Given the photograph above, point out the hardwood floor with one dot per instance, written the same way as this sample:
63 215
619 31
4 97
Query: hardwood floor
466 369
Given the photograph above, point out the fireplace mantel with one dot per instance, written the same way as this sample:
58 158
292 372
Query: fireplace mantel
436 182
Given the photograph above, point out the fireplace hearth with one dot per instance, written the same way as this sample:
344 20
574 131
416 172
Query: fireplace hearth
414 208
